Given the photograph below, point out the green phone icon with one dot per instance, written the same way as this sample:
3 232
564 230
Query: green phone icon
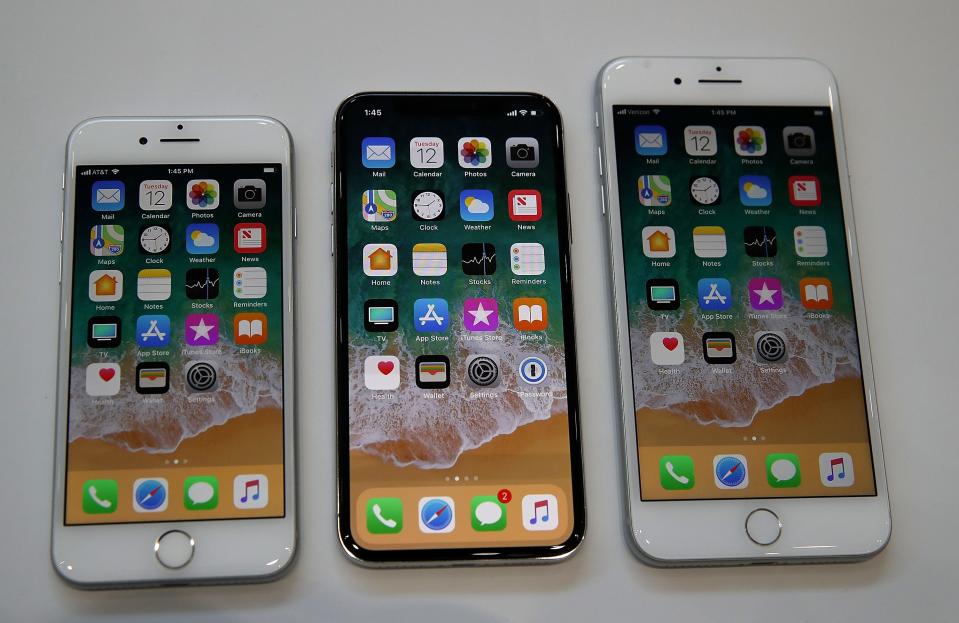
487 513
201 493
782 470
676 472
99 497
384 515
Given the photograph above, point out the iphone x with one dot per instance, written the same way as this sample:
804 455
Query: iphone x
748 399
174 445
457 407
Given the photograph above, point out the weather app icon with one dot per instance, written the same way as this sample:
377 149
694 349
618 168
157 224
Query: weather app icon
202 238
476 205
755 190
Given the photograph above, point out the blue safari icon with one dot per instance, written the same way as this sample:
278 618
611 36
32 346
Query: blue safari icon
730 471
437 515
715 294
150 495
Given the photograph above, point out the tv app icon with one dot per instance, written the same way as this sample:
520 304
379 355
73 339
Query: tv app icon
662 294
103 332
432 371
380 315
153 378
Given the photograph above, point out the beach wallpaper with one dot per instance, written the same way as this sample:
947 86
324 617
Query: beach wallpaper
741 318
176 345
455 438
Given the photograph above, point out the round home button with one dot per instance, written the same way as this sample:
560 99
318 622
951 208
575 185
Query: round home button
174 549
763 526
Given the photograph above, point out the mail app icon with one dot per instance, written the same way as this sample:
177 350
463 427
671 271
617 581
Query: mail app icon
379 152
108 196
650 140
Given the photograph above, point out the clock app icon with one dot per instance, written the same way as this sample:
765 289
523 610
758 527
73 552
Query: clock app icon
428 205
704 190
155 239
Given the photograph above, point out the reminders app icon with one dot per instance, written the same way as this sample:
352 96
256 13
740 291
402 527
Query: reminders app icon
378 152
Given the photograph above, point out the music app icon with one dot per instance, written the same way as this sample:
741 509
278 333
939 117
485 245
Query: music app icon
251 491
836 470
540 512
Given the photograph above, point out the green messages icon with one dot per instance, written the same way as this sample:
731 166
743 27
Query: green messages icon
488 513
782 470
200 493
99 497
384 515
676 472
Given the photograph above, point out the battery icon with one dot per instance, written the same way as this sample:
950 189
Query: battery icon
532 113
269 170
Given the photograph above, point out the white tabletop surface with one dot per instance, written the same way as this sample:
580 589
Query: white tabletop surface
896 63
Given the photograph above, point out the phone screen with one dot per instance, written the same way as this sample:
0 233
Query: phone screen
747 378
176 398
457 376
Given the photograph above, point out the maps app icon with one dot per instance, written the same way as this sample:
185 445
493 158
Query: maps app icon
379 205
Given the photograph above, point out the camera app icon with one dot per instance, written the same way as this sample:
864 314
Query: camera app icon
522 152
249 194
799 140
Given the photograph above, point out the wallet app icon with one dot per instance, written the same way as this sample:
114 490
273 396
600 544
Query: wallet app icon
378 152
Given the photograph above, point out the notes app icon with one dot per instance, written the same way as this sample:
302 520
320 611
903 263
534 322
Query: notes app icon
709 241
251 491
429 259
